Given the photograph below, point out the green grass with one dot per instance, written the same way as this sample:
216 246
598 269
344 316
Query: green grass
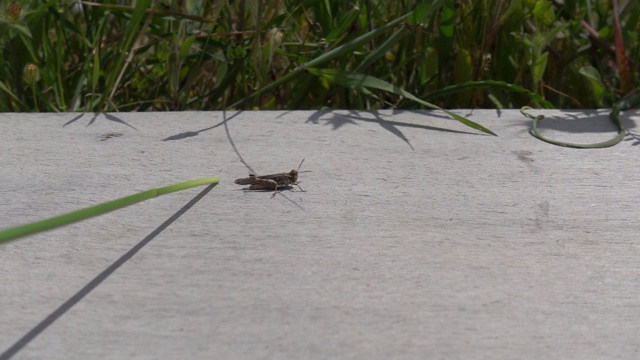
17 232
210 55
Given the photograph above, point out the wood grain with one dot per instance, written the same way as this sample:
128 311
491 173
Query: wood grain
417 237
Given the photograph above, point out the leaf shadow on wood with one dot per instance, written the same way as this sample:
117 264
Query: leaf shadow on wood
585 122
339 119
99 279
633 137
188 134
108 116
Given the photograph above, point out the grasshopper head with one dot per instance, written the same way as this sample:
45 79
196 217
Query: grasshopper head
293 175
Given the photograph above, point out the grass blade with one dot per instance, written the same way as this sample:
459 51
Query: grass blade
361 82
330 55
82 214
127 51
493 84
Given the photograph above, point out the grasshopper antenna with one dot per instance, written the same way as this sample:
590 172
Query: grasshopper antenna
300 166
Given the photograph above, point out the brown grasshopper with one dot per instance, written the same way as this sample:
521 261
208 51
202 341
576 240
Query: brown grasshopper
272 182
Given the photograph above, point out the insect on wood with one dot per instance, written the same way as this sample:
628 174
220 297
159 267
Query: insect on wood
273 181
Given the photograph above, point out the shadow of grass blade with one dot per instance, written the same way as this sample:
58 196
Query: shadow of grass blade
361 83
82 214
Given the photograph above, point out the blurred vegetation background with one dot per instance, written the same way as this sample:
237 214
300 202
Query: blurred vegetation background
312 54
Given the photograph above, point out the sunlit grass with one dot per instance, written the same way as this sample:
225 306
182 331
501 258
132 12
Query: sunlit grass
51 223
208 55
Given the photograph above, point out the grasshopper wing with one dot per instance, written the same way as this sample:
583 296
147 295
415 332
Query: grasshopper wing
246 181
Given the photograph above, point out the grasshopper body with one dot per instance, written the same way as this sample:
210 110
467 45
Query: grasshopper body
271 182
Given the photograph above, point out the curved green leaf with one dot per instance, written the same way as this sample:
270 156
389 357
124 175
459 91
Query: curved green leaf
618 138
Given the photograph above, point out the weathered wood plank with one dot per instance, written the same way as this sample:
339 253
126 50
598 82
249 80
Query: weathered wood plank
417 237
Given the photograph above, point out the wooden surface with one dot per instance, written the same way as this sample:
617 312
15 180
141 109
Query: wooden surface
417 237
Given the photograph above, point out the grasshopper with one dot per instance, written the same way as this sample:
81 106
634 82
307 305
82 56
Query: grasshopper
272 182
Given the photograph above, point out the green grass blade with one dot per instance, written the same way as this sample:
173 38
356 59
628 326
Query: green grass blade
82 214
131 33
343 23
382 49
360 82
354 44
13 96
490 84
330 55
422 10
